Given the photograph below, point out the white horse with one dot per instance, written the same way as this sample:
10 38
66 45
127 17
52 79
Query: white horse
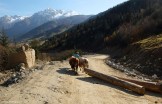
83 63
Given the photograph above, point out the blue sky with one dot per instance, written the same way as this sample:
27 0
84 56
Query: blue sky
28 7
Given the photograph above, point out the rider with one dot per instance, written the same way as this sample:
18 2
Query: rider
76 54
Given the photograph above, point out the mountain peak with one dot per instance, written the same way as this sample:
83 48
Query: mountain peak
42 16
53 13
8 21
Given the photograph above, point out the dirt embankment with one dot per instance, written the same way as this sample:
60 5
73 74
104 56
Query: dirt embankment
57 84
143 56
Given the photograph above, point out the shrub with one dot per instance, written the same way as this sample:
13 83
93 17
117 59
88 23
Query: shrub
4 41
3 58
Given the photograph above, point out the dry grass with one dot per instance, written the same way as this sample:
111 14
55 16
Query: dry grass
151 43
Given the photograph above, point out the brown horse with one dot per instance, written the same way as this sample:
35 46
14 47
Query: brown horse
74 63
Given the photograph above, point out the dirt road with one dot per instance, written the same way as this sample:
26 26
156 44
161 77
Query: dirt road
57 84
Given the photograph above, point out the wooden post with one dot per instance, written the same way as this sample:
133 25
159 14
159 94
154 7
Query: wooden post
151 86
116 81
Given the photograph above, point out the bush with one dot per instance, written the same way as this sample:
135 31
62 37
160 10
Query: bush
3 58
4 41
35 44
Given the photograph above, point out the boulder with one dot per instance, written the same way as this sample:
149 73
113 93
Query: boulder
26 56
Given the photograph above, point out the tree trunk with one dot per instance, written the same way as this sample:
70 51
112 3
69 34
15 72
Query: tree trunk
151 86
116 81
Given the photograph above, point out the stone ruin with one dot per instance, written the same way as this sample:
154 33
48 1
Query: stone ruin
24 55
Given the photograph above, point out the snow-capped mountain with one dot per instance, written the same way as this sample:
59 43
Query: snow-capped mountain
52 28
50 14
54 14
47 14
37 19
8 21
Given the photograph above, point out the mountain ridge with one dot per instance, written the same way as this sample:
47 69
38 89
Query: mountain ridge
51 28
17 25
7 21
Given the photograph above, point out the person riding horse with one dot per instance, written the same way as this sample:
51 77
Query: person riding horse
76 55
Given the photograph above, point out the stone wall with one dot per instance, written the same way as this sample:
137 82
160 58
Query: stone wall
26 56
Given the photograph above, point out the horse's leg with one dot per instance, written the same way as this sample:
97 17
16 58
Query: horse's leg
80 68
72 67
83 69
76 69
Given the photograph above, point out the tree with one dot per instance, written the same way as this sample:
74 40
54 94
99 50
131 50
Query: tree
4 41
35 44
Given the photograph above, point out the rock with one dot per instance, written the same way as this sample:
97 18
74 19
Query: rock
27 57
27 47
47 63
32 70
51 63
15 78
37 67
24 47
133 74
154 76
20 67
23 75
146 79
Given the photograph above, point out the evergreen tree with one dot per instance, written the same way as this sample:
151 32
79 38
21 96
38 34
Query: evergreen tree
4 41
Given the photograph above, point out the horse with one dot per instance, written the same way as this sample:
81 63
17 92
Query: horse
83 63
74 63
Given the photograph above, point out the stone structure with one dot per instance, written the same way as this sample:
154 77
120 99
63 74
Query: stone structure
25 55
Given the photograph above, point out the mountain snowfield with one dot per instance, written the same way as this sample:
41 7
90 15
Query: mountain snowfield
8 21
48 14
53 14
16 26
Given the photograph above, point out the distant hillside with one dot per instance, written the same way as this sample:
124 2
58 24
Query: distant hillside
54 27
119 26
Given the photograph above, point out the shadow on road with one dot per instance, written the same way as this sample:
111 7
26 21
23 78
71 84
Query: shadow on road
102 82
94 80
67 71
154 94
